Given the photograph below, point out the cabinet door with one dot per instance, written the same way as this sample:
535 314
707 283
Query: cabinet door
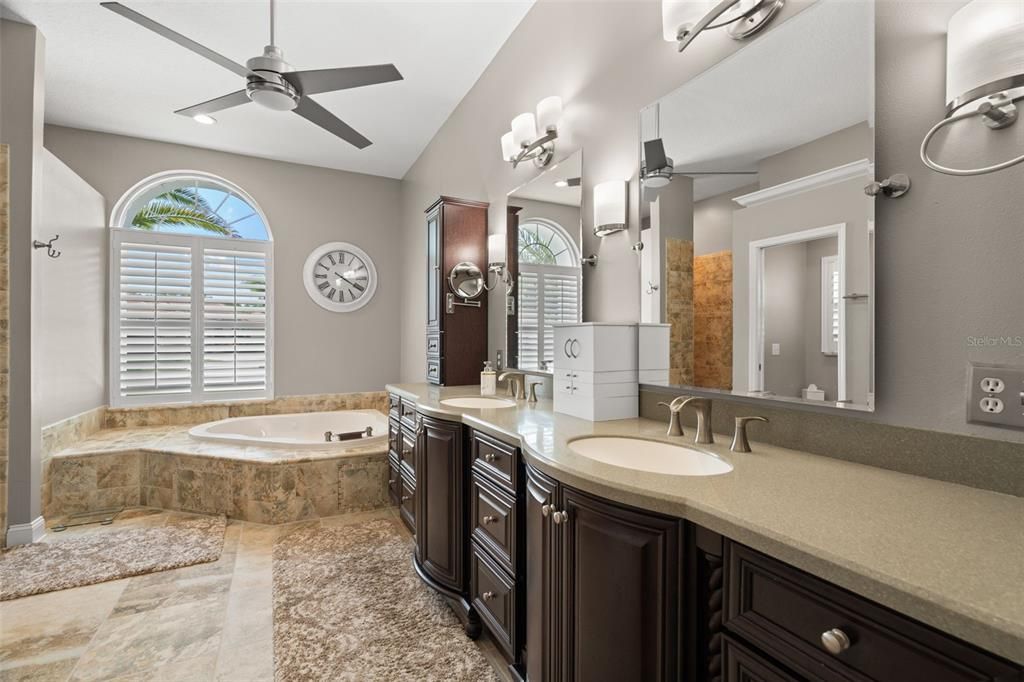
434 269
541 579
620 591
440 522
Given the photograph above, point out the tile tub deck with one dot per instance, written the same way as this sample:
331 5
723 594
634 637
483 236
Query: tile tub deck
164 467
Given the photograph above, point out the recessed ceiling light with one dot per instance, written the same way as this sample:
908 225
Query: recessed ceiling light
561 183
204 119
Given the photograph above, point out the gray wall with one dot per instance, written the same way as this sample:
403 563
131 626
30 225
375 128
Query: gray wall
610 61
784 318
843 146
70 341
22 49
316 351
712 221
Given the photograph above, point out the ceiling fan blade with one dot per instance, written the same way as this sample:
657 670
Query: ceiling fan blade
654 154
329 80
187 43
217 104
313 112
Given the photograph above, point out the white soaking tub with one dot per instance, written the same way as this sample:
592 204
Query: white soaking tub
297 431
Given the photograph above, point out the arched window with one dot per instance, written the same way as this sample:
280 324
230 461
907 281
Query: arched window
191 293
549 288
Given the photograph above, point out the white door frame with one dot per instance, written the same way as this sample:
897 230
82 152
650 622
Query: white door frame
755 306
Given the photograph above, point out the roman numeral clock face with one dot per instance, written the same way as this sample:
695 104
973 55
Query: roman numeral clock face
340 277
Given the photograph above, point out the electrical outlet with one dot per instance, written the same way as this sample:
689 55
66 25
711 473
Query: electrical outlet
995 395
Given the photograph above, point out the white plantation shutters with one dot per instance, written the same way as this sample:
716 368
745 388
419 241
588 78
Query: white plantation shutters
190 318
234 320
547 295
830 302
154 320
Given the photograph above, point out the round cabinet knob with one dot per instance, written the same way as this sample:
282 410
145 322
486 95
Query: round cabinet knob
545 510
488 596
490 519
392 482
835 641
559 517
489 457
406 498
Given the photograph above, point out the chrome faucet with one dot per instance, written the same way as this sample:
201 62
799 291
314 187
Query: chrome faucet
675 427
516 384
533 391
739 437
703 407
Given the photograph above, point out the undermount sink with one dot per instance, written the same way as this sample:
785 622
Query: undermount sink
649 455
478 403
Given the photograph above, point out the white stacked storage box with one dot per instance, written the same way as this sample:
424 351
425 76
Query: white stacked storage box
653 361
595 369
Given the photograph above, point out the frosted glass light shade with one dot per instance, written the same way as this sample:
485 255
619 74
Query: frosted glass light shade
677 14
508 146
984 50
609 207
496 248
524 129
549 111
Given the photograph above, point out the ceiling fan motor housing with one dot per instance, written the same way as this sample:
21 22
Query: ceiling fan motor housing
266 86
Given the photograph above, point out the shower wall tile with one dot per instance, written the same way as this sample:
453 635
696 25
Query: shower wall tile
712 320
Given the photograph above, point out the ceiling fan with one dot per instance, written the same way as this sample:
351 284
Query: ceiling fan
272 82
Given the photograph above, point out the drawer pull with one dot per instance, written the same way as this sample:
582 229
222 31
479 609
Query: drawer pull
489 457
489 519
392 482
406 498
560 517
488 596
835 641
545 510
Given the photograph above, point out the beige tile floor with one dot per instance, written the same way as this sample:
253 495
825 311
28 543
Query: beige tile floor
206 622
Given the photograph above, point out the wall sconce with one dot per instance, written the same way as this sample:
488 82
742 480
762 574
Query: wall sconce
984 73
609 207
496 264
522 143
683 20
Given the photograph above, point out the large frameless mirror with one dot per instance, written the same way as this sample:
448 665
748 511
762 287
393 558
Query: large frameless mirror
758 234
543 243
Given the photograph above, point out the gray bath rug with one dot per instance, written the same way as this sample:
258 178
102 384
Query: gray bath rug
348 606
111 555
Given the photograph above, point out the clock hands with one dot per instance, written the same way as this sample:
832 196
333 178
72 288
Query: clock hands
350 282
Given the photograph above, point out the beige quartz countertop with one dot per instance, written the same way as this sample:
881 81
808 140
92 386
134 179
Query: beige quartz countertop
948 555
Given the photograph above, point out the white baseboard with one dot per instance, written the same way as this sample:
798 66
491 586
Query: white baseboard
26 533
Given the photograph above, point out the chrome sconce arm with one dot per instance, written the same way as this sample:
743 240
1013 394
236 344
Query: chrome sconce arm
500 276
540 151
742 25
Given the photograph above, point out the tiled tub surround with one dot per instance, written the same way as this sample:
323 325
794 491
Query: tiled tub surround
145 456
947 555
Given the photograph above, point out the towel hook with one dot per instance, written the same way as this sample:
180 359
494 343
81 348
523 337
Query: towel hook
50 251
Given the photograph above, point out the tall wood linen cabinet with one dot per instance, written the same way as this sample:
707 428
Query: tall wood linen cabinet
456 329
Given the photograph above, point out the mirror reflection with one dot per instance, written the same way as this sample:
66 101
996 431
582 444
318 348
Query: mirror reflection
466 280
544 236
758 235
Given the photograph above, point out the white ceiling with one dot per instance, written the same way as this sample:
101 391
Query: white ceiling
543 188
106 73
770 97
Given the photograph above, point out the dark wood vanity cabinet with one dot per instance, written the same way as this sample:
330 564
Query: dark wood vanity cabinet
603 588
440 482
456 334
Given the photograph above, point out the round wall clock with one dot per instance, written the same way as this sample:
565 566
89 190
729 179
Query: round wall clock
339 277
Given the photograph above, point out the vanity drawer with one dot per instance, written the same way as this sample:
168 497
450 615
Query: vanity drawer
394 436
493 515
407 453
394 405
407 414
494 597
434 343
785 612
495 460
407 503
434 370
740 664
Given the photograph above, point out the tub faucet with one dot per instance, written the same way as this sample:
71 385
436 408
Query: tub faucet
675 427
703 407
516 384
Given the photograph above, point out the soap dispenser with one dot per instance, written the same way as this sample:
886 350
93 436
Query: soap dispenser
488 380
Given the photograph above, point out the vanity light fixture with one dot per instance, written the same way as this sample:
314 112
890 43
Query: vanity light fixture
205 119
609 207
523 143
984 73
683 20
